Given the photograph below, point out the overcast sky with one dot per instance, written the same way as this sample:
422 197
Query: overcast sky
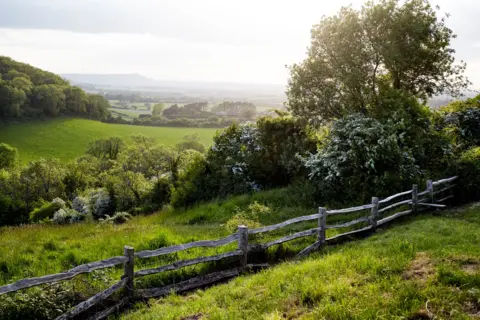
197 40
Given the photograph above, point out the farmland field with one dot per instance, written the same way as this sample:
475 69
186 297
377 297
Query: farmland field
67 138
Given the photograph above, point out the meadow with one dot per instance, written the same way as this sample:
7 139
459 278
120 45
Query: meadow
67 138
419 267
425 267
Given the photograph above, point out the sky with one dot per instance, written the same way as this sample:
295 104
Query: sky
248 41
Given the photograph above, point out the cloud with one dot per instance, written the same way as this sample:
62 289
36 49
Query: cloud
151 55
198 38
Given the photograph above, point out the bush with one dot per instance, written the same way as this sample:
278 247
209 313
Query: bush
46 211
250 218
101 203
362 158
68 216
8 156
468 171
81 205
117 218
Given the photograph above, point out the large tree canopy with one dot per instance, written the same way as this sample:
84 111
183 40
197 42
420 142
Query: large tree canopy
356 54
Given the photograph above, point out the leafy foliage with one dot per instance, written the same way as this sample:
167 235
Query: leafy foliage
27 92
355 54
362 157
8 156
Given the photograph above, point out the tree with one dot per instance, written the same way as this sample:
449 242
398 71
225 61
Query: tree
49 99
105 149
158 109
8 156
75 100
355 54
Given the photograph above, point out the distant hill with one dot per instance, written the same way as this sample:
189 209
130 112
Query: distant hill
139 81
114 80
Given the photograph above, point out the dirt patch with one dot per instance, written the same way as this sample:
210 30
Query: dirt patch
197 316
471 268
420 269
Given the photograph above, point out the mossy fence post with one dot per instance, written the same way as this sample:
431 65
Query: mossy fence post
243 245
322 225
374 213
430 190
414 198
128 271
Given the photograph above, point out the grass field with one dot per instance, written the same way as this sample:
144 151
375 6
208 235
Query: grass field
419 268
67 138
426 267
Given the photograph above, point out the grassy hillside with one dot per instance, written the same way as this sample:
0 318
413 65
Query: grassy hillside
427 267
68 138
427 264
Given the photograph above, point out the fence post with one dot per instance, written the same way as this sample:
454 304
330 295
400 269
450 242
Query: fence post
430 190
243 245
414 198
374 213
322 224
129 252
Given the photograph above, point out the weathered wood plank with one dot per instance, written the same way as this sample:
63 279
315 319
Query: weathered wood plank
444 189
283 224
394 216
84 268
444 199
374 213
128 270
314 246
435 183
394 205
291 237
180 247
348 210
243 245
185 263
322 224
115 308
349 233
431 205
85 305
388 199
348 224
423 193
414 198
188 284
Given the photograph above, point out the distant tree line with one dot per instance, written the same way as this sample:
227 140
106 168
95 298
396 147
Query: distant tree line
29 92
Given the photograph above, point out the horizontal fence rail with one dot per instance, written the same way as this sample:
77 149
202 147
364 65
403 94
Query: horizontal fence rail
377 216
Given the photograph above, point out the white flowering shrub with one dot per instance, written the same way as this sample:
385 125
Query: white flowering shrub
100 203
81 204
60 202
362 158
117 218
68 216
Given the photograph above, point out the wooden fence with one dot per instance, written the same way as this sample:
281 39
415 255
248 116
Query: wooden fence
377 215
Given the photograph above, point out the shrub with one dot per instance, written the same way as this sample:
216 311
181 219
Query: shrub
46 211
8 156
81 205
100 203
117 218
468 170
249 218
68 216
362 158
